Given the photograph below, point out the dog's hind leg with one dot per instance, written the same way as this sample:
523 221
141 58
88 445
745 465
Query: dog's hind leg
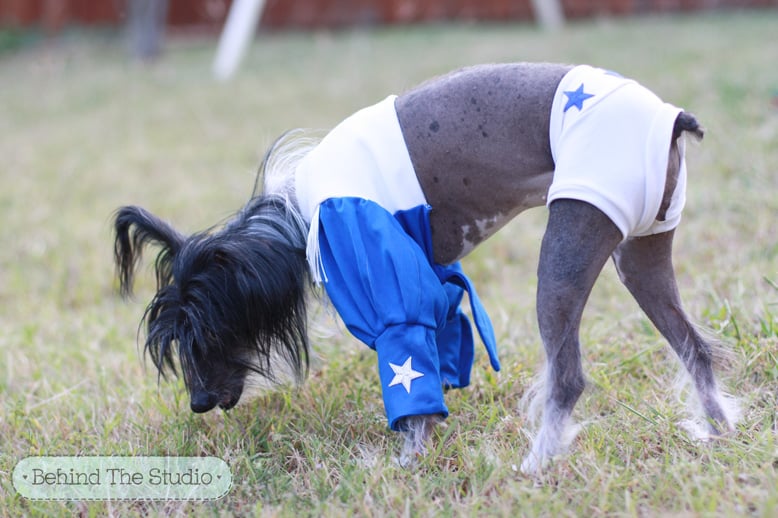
579 239
646 269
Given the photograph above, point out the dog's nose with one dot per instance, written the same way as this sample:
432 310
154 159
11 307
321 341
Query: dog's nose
202 402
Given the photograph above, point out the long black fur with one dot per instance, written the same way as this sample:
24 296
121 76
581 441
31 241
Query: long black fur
230 300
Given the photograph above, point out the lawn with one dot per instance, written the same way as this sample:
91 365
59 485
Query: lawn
83 131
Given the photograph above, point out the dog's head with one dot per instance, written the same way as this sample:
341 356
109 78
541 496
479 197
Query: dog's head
229 302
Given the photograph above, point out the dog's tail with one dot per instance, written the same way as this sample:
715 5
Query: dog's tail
687 122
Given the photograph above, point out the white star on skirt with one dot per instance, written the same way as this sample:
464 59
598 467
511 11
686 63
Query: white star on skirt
404 374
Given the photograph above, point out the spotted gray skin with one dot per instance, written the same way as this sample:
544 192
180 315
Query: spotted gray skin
478 139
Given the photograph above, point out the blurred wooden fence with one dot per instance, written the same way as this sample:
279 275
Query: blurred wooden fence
305 14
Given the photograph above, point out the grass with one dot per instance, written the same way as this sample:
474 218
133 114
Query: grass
83 131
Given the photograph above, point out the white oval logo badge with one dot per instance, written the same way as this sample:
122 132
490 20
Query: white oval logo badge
122 478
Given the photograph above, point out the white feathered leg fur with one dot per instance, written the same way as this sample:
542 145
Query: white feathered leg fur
417 431
557 428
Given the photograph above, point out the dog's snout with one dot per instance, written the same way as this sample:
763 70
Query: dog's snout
203 401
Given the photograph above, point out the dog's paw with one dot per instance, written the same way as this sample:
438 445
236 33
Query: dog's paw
551 442
409 459
701 430
533 465
704 428
413 450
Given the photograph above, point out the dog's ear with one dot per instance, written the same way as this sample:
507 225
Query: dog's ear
135 227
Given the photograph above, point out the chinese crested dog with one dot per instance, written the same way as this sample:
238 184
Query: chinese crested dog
381 210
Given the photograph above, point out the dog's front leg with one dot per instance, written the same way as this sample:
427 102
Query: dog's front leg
645 267
579 239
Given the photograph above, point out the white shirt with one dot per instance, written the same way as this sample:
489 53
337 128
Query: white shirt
610 140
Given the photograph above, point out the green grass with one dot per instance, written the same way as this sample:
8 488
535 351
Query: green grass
82 131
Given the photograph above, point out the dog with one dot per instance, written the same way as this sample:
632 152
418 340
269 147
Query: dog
380 212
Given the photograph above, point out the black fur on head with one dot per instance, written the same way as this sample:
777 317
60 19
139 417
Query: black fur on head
231 301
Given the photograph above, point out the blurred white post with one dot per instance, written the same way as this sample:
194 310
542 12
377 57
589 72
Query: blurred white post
235 38
549 13
145 26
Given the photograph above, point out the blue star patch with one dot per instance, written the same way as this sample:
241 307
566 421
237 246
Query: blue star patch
576 98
